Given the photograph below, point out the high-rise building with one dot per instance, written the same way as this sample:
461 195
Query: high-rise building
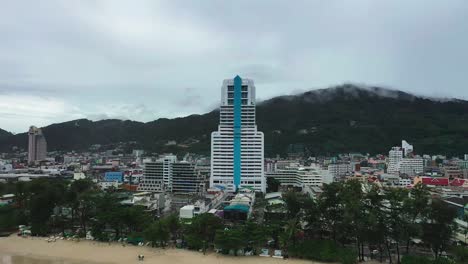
37 146
237 148
185 179
401 160
153 179
407 147
395 155
167 161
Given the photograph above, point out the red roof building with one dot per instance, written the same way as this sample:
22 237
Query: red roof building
435 181
457 182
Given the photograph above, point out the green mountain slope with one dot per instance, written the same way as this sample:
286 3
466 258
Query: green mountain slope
342 119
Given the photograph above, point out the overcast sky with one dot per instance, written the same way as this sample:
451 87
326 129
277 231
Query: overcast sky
141 60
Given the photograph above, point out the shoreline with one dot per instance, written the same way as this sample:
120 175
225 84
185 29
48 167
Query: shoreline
99 252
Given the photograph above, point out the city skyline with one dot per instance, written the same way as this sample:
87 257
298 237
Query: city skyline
141 61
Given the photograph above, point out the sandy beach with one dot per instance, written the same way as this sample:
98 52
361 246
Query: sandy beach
17 250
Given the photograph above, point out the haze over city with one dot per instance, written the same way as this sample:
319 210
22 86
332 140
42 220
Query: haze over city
61 61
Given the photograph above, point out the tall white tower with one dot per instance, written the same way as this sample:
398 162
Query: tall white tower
237 148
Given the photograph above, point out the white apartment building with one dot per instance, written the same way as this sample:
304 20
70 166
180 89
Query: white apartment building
278 164
287 176
395 155
411 166
167 174
167 161
237 148
340 169
312 175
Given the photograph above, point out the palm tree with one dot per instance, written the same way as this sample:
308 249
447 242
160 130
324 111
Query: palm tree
290 231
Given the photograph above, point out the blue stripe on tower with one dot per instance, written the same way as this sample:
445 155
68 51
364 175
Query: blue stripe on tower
237 130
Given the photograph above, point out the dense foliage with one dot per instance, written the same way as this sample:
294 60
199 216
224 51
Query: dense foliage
336 120
323 250
425 260
343 224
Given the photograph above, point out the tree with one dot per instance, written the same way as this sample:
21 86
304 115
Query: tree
173 224
396 223
274 229
84 207
293 204
76 198
272 184
8 218
44 196
134 218
376 219
107 211
230 239
157 233
438 230
415 210
290 230
202 230
331 208
311 217
353 226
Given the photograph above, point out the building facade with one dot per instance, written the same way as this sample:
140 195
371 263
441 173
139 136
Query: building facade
167 162
395 155
338 170
411 166
112 176
185 179
37 145
167 174
237 148
312 176
407 147
153 179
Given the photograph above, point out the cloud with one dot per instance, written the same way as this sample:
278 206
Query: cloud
135 60
37 110
121 111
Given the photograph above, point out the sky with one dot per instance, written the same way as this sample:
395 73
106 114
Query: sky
143 60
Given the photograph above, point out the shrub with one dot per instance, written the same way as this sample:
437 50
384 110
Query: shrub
323 250
425 260
407 259
461 254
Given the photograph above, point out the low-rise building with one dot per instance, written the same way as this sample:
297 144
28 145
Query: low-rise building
111 176
338 170
312 175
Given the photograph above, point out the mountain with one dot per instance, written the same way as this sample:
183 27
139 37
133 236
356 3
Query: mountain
346 118
4 133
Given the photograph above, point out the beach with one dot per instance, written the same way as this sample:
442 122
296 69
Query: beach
18 250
